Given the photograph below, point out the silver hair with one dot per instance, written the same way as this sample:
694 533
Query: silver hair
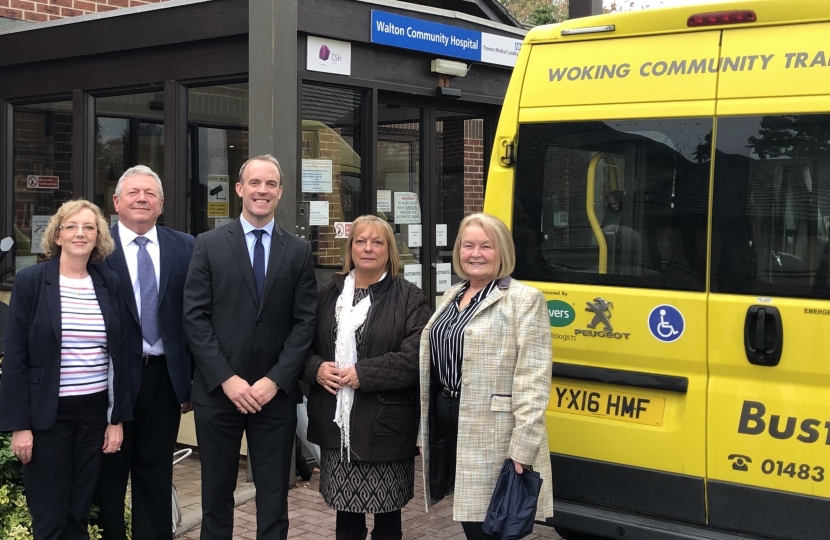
263 157
135 171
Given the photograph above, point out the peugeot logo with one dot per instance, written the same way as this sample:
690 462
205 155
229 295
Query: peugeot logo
601 309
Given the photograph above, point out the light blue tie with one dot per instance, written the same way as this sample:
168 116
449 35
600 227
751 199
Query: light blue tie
149 293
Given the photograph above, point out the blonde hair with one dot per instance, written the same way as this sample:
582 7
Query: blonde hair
385 230
104 244
497 232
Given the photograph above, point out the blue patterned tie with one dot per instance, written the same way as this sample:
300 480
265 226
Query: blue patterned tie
259 263
149 293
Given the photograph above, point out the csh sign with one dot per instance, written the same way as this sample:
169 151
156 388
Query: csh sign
42 182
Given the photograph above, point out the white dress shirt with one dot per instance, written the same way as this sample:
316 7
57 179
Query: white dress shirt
131 254
250 239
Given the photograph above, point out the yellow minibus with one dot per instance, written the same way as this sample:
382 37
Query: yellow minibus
666 174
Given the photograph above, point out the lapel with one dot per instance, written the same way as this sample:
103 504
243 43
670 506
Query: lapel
236 240
167 249
100 293
118 262
275 259
491 299
450 295
53 294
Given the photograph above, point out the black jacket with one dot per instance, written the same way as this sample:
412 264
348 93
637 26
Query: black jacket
230 332
385 413
32 361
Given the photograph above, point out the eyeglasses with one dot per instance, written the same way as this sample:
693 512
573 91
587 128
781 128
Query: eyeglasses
73 228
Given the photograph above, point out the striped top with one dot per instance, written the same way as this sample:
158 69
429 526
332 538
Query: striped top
446 337
84 354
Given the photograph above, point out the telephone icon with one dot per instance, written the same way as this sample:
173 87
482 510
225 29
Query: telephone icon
739 462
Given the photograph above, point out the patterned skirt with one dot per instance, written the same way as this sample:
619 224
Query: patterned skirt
373 487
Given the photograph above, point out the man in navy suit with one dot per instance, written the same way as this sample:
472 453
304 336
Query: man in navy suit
250 302
151 262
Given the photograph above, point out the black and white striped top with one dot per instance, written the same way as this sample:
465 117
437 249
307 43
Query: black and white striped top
84 353
446 337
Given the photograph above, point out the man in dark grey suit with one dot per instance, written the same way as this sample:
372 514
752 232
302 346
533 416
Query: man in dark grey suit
249 308
151 262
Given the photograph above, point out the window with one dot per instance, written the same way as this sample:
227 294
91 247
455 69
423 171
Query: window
771 206
615 203
217 118
129 130
332 178
42 172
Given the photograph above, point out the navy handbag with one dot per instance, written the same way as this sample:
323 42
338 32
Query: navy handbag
513 505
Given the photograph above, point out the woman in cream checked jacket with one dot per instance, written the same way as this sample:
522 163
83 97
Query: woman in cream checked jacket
485 378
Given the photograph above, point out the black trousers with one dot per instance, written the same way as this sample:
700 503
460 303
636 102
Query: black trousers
443 443
66 459
146 456
387 524
270 436
446 416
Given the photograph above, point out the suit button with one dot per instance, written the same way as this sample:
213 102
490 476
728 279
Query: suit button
466 381
464 406
259 323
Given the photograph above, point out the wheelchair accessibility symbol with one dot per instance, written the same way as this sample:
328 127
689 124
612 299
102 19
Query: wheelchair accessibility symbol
666 323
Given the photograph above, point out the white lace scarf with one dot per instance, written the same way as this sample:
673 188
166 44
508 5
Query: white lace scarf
349 319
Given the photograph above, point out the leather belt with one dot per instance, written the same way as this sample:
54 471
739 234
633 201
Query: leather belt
446 392
147 359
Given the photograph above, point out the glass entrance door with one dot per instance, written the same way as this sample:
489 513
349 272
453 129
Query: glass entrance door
430 175
459 187
399 183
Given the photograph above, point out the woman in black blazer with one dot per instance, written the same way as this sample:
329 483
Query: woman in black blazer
65 389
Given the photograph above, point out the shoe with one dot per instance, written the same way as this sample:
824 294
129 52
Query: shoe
349 536
303 470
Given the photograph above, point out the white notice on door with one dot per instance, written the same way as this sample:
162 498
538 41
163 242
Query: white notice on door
440 234
412 273
317 175
443 276
407 208
318 213
414 239
384 200
39 224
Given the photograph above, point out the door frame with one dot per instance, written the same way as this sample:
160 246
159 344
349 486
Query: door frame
428 155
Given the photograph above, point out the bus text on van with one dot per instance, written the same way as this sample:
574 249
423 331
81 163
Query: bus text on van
754 421
689 66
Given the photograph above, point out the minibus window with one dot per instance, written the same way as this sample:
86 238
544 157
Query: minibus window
771 206
615 203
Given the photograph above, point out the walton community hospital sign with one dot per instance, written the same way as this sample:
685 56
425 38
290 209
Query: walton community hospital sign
443 39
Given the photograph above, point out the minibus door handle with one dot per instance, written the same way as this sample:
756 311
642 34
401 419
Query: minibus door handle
763 335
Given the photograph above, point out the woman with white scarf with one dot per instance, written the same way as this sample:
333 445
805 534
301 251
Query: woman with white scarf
363 373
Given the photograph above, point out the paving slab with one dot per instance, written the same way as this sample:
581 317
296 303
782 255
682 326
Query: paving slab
309 517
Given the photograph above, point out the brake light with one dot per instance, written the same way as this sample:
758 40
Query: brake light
722 17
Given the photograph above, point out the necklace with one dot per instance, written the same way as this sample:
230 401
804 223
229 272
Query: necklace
80 284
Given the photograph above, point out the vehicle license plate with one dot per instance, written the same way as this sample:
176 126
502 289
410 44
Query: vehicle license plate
624 406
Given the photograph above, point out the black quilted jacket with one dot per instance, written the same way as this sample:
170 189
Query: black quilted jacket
385 413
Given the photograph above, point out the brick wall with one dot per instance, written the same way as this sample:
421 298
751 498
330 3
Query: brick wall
47 10
473 166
